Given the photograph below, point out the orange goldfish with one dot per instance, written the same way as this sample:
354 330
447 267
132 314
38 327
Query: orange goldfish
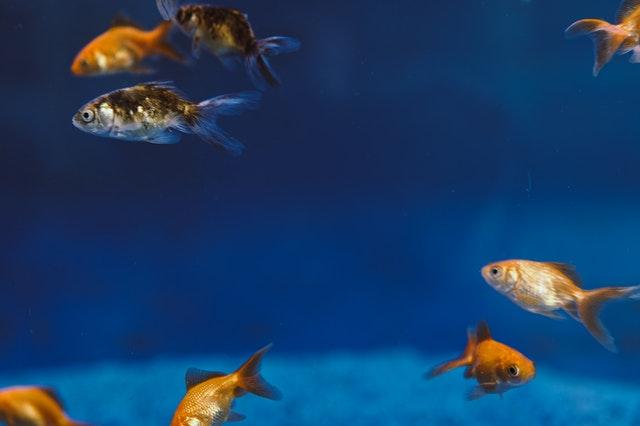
122 48
609 39
496 366
546 287
32 406
210 395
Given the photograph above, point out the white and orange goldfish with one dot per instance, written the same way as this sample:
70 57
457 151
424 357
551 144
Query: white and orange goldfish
210 395
123 48
547 287
33 406
496 366
609 39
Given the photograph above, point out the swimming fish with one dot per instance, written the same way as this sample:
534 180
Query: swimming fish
33 406
210 395
496 366
228 35
609 39
546 287
122 48
158 113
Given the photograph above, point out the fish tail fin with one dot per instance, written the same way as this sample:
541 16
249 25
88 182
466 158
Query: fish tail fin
167 8
466 359
257 64
250 380
160 43
607 39
202 119
590 304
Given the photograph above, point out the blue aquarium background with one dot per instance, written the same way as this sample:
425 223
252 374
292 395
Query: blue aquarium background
411 143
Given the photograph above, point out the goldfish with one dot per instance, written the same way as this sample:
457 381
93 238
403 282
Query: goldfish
156 112
548 287
228 35
496 366
33 406
210 395
609 39
123 48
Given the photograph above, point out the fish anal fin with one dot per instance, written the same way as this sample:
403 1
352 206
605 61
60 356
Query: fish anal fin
627 7
572 309
195 376
568 270
235 417
165 138
549 314
469 372
482 332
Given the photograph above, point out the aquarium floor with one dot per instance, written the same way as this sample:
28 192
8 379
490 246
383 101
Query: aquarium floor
381 388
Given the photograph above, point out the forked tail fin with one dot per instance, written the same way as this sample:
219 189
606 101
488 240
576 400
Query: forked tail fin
607 39
590 304
250 380
258 65
464 360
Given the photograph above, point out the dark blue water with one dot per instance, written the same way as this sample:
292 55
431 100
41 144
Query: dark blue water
411 143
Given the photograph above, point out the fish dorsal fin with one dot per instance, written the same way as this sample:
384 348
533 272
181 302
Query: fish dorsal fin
568 270
195 376
53 395
482 332
627 7
122 20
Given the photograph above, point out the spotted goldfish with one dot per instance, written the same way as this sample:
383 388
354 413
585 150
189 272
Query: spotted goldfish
157 113
609 39
33 406
123 48
496 366
210 395
228 35
546 287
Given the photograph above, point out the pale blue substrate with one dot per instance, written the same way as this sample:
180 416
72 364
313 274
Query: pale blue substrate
381 388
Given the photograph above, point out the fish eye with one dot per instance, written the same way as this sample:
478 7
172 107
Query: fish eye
495 271
87 116
84 63
513 370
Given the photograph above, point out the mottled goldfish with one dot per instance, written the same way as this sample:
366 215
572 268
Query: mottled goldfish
546 287
228 35
210 395
157 113
122 48
33 406
609 39
496 366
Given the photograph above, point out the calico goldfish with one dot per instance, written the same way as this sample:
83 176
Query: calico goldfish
33 406
496 366
158 113
609 39
210 395
546 287
228 35
123 48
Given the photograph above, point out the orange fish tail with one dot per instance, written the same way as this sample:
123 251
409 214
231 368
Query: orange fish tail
607 39
159 42
590 304
250 380
464 360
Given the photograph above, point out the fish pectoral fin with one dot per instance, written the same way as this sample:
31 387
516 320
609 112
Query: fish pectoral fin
142 70
195 46
166 138
235 417
476 393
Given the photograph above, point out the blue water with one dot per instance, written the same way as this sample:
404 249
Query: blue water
411 143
